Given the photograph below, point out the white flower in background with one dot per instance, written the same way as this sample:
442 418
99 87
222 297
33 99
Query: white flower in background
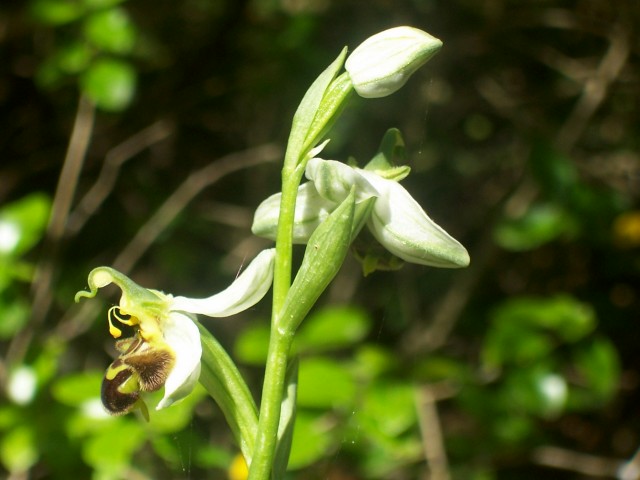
165 348
383 63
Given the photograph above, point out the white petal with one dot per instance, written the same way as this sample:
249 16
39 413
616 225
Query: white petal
401 225
183 336
247 290
333 180
311 210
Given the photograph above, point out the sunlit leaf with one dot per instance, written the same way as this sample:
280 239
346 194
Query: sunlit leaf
311 440
562 314
514 343
436 368
598 362
252 344
56 12
176 418
110 84
110 30
14 315
100 4
18 449
75 389
111 449
325 383
22 223
390 406
513 428
538 226
371 361
73 58
332 328
537 390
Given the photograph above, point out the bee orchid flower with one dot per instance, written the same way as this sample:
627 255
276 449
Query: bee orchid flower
165 349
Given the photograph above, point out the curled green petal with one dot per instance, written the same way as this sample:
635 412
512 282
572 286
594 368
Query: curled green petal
134 297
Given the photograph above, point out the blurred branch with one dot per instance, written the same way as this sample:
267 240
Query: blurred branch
631 469
431 432
114 159
182 196
65 190
595 88
194 184
591 465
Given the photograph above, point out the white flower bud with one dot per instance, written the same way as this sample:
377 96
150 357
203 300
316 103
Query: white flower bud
383 63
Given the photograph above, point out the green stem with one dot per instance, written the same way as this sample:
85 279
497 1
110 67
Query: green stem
280 341
284 247
272 393
324 109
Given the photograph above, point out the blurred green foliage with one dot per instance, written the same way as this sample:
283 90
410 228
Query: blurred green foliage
91 43
522 139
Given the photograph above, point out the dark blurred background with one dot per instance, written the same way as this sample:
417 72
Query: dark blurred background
143 134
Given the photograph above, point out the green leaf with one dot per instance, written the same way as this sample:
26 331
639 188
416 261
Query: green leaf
513 428
561 314
325 383
110 451
252 344
311 440
323 257
19 450
537 391
390 153
110 84
110 30
101 4
332 328
14 314
75 389
371 361
333 103
178 416
598 363
74 57
438 368
540 225
516 344
553 170
22 224
306 112
390 406
56 12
